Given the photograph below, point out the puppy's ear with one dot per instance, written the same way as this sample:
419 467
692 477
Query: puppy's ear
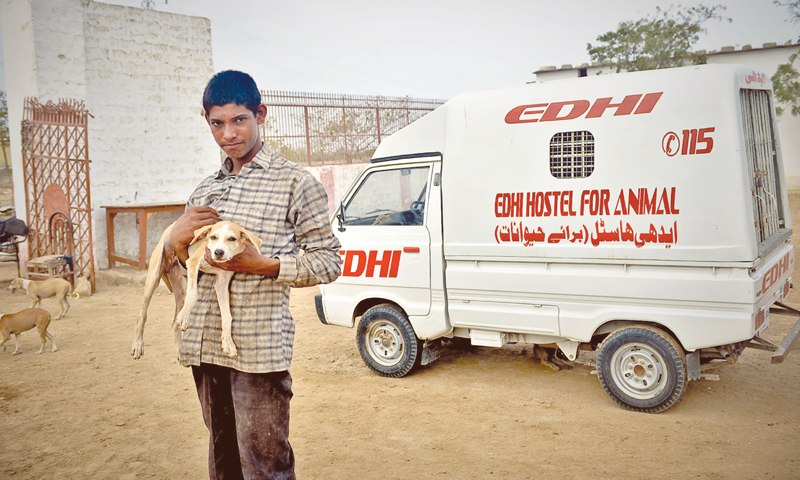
200 233
255 241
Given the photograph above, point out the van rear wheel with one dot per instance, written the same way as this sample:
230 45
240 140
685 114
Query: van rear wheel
642 368
387 342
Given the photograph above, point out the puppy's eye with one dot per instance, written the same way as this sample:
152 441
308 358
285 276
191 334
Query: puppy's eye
231 239
213 237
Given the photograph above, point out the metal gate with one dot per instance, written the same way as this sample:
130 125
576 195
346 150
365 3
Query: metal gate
55 160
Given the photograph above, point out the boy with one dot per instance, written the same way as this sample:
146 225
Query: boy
245 400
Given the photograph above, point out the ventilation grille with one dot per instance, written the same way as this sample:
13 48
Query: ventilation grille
572 154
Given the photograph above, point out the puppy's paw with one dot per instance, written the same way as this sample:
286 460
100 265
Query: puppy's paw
137 350
181 321
229 347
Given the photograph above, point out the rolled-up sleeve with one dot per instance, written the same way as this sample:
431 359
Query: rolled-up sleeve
319 260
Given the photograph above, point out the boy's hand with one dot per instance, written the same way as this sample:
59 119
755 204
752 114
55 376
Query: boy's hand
249 261
183 231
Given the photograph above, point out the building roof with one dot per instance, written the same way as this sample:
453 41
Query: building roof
722 51
749 48
552 68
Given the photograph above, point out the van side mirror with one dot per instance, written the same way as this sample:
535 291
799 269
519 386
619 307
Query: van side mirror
340 217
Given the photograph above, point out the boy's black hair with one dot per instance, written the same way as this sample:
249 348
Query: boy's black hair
231 86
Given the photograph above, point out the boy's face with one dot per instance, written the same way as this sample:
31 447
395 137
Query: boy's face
235 129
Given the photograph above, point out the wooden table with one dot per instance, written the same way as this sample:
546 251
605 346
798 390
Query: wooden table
143 212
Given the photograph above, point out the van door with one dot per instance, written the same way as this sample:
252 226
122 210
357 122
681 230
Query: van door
385 241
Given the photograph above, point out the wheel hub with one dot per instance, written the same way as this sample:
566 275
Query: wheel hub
385 343
639 371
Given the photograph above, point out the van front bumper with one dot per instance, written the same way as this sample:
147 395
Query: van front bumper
320 310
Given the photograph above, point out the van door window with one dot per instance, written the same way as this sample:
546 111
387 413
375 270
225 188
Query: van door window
389 197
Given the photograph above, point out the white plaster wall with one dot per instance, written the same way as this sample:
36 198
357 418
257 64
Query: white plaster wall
59 47
768 60
343 177
148 141
337 180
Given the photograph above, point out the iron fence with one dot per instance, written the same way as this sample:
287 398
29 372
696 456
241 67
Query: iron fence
317 129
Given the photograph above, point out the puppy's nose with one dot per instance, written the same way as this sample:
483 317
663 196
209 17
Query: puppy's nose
218 253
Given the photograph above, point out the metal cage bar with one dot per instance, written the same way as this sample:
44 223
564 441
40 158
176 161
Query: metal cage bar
317 129
762 162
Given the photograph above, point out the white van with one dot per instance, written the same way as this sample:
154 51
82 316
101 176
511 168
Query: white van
642 215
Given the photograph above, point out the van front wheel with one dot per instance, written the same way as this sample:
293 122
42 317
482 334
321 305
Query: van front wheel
642 368
387 342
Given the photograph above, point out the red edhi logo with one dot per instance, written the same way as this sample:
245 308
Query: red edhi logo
356 263
774 273
550 112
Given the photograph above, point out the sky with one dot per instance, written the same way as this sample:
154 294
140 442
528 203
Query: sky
433 48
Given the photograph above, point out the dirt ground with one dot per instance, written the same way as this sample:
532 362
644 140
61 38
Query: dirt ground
89 411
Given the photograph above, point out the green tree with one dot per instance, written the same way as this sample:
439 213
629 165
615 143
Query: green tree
786 80
4 138
663 40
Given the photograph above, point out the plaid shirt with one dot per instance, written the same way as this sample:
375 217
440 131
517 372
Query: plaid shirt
286 207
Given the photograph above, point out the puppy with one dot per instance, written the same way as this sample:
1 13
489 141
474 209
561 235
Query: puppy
547 356
22 321
39 289
224 240
164 266
82 287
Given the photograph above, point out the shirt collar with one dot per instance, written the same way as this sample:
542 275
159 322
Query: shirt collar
262 159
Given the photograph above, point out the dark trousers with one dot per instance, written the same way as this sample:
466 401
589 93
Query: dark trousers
247 415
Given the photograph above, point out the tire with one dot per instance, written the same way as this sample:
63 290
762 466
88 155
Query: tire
642 368
387 342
